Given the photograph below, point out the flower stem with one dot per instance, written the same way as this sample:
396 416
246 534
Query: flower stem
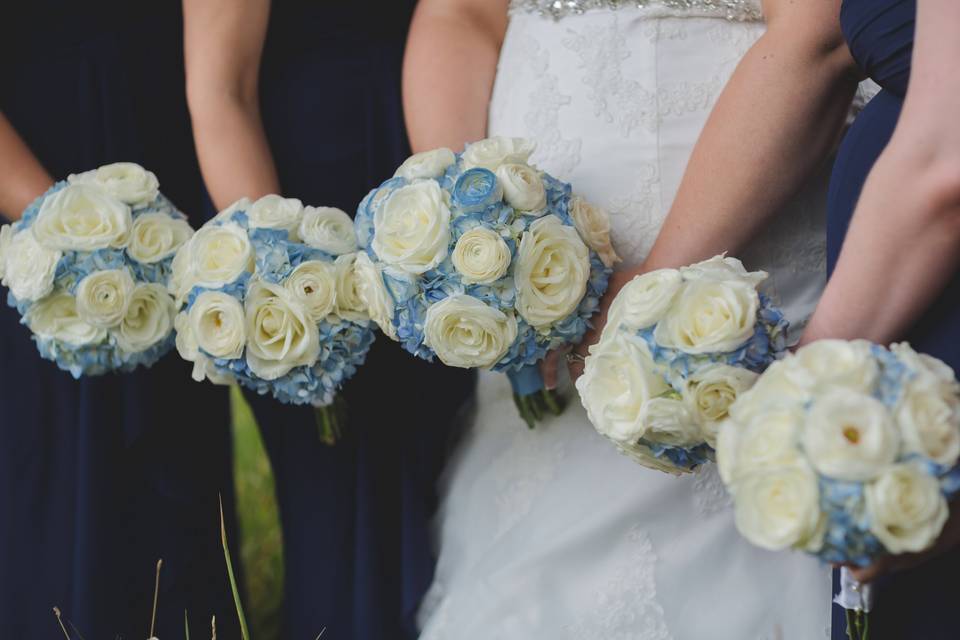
850 624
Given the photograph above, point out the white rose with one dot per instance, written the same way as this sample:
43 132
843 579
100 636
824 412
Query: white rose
276 212
722 268
181 279
593 225
373 294
348 304
669 422
243 204
780 508
328 229
522 187
929 417
921 362
906 509
55 317
774 388
830 364
412 228
493 152
481 256
149 319
103 297
218 255
643 301
30 268
619 377
186 341
81 217
157 236
217 325
850 436
710 316
6 237
551 273
280 333
126 181
709 393
314 284
428 164
769 441
464 332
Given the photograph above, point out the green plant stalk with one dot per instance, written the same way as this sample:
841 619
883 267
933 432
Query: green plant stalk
244 633
186 626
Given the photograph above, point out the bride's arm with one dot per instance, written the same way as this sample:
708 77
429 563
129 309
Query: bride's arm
903 245
24 178
449 68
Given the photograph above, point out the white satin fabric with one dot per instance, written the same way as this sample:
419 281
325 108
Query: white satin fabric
550 534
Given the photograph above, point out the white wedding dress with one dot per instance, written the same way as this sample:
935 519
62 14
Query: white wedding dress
550 534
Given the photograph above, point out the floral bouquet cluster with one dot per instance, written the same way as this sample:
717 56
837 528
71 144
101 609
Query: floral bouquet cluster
678 348
484 262
271 299
87 267
846 450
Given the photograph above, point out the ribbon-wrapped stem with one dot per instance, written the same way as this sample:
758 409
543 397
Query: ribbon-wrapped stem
329 419
532 399
857 599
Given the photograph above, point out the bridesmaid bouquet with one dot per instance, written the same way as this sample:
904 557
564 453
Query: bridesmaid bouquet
678 348
270 299
483 261
87 267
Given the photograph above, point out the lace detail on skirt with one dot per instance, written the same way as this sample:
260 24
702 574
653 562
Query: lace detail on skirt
742 10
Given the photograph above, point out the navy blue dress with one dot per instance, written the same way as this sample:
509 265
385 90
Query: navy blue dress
355 515
101 477
919 603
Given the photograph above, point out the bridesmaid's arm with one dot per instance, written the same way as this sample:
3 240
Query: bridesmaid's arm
449 68
903 244
223 42
24 178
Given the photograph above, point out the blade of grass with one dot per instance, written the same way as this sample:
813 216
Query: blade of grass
56 612
156 595
244 633
186 626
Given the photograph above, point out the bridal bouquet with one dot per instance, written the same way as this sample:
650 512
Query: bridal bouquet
483 261
846 450
87 267
678 348
270 299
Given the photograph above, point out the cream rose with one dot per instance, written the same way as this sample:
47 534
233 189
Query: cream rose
126 181
709 316
668 421
774 388
522 187
103 297
186 341
722 268
348 303
551 273
243 204
929 417
921 362
373 294
218 255
779 508
850 436
481 256
643 301
493 152
280 333
709 393
218 325
428 164
619 377
593 225
30 269
906 509
157 236
149 319
412 228
81 217
464 332
276 212
769 441
830 364
328 229
314 284
55 317
6 238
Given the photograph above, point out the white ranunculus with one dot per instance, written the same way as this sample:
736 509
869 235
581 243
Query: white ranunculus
218 255
55 317
619 377
850 436
522 187
30 269
349 305
668 421
906 509
157 236
428 164
314 284
830 364
493 152
774 388
769 441
280 333
103 297
710 316
186 342
929 417
373 294
149 318
126 181
412 228
481 256
276 212
593 225
328 229
218 325
81 217
464 332
780 508
709 393
643 301
6 237
722 268
551 273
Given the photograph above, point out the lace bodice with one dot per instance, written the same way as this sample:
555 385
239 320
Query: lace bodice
745 10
